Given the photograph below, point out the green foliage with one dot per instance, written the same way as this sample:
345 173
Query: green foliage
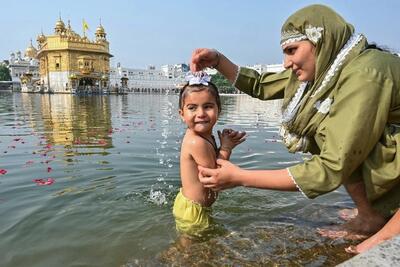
224 86
4 73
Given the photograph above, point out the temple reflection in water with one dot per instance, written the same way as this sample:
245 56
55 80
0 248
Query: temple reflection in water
70 120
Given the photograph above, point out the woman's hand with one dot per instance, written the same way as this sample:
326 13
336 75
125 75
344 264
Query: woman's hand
210 58
203 58
226 176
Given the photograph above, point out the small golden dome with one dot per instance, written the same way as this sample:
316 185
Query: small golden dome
60 24
100 29
41 38
30 52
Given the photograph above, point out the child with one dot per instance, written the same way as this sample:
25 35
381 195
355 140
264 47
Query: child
199 108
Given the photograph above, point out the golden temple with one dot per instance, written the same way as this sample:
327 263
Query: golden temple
70 63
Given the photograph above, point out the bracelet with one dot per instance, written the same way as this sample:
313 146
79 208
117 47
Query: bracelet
218 60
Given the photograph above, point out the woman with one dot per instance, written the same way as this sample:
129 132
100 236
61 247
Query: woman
341 103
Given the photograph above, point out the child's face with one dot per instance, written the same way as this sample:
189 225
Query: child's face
199 111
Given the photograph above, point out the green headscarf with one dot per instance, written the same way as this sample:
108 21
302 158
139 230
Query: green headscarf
306 104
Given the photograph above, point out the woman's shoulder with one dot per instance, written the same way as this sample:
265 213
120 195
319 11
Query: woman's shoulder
377 63
374 58
380 56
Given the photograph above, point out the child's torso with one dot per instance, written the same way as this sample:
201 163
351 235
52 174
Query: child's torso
192 188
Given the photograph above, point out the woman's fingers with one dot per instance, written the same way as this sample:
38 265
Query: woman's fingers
205 174
351 250
206 180
220 162
195 61
202 58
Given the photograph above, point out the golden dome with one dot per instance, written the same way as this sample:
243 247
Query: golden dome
60 26
41 38
30 51
100 33
100 29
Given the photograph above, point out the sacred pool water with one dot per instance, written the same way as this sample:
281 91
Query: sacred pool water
90 181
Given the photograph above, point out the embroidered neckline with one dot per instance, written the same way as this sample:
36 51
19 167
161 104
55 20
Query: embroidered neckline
293 106
337 63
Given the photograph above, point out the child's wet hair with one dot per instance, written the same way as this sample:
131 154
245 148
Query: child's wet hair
211 88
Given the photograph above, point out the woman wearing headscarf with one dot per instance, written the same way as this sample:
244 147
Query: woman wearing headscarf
341 103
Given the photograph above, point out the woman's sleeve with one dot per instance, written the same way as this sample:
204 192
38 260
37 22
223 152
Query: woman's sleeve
352 128
263 86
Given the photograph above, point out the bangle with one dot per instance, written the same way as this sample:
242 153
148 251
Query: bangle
218 60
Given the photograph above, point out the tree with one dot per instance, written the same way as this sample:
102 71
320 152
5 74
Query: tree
4 73
224 86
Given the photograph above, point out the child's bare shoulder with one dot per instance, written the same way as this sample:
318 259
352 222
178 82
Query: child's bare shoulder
198 149
192 140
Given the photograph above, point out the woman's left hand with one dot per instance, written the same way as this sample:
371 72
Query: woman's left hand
226 176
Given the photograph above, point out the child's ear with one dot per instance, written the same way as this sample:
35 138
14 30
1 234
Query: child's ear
181 114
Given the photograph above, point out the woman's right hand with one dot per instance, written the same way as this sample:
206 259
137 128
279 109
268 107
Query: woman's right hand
204 58
226 176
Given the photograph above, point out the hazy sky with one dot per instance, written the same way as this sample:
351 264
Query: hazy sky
157 32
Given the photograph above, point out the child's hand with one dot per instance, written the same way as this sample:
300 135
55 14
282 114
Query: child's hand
229 139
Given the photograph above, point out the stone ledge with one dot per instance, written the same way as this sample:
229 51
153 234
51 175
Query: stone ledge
385 254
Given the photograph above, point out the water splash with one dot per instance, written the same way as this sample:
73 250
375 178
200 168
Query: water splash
157 197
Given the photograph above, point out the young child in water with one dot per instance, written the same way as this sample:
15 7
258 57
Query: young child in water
199 108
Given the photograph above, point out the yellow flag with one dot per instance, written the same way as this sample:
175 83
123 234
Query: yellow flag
85 25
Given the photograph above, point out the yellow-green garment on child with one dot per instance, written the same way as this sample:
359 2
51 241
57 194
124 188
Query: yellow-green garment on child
191 218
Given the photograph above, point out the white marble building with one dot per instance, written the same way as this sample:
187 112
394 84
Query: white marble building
168 77
20 66
267 67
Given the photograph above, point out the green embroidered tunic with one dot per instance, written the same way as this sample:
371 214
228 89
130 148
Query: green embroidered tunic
358 138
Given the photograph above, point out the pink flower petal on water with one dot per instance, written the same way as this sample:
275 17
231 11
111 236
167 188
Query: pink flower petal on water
49 169
47 181
102 142
3 171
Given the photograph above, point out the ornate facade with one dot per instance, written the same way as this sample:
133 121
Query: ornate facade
23 67
69 63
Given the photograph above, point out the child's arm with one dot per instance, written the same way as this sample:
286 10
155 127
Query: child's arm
201 152
229 139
